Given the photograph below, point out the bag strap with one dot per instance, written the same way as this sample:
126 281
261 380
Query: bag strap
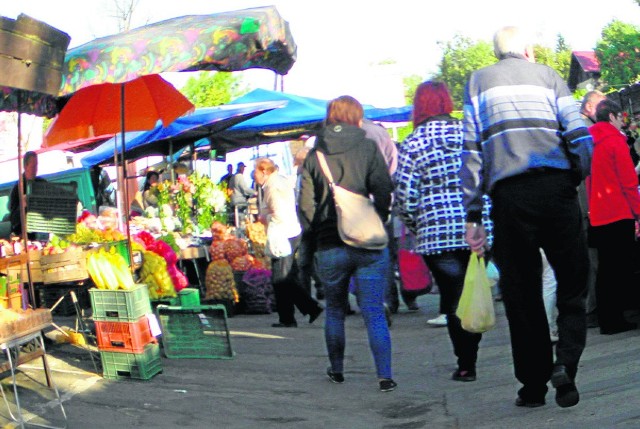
325 168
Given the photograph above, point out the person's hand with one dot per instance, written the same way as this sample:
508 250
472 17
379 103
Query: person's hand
476 237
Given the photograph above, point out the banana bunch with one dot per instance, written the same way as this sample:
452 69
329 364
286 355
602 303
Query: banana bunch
109 270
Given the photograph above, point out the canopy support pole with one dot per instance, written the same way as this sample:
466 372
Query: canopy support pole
125 196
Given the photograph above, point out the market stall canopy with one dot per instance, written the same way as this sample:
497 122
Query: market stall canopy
180 133
302 115
31 57
228 41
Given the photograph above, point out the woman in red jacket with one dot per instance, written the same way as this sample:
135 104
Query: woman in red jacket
614 206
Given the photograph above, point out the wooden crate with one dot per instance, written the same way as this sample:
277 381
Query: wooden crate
16 268
64 267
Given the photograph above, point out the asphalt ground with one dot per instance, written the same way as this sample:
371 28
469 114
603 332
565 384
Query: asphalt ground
276 379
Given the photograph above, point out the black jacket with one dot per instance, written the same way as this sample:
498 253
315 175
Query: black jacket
356 164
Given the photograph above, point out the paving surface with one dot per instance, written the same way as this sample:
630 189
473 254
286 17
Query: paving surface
277 380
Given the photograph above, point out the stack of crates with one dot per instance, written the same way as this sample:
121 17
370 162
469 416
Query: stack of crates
127 347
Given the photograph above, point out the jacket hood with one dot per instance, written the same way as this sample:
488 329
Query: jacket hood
339 138
601 131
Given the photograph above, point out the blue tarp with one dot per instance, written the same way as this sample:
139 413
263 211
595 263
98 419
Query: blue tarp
182 132
301 115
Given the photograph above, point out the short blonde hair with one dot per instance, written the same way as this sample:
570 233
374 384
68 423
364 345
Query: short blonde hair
511 40
266 165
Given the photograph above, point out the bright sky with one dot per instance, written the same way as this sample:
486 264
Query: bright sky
341 43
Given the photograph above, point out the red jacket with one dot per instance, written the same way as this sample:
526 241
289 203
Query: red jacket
612 188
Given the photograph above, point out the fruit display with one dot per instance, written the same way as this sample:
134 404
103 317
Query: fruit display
154 274
257 233
220 283
234 247
86 235
219 231
109 269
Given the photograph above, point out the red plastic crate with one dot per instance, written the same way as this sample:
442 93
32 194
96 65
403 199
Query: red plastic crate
126 337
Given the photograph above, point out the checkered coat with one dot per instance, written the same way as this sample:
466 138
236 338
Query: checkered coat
428 194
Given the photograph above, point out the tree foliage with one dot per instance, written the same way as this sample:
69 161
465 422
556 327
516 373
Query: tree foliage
618 50
213 88
461 56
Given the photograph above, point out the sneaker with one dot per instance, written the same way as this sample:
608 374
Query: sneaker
387 385
438 321
335 377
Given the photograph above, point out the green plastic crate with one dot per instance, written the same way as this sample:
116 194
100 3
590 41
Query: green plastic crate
120 305
195 332
189 297
142 366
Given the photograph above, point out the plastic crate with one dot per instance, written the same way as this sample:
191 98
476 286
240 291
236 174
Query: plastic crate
53 207
195 332
189 297
124 337
120 305
142 366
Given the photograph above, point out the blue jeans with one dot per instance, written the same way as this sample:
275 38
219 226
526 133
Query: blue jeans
335 267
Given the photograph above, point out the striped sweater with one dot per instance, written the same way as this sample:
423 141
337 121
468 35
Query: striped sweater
518 116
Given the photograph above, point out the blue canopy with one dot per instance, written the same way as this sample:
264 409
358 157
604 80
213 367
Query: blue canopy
301 115
182 132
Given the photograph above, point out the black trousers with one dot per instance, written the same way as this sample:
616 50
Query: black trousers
448 270
614 282
288 291
533 211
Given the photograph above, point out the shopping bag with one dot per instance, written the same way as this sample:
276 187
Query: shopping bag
414 273
475 308
278 245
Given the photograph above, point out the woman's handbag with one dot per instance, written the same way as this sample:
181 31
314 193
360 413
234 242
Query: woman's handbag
414 273
475 308
359 224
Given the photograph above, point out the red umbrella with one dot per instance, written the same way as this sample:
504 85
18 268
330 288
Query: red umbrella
109 108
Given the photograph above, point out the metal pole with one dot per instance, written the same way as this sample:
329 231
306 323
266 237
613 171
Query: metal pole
124 175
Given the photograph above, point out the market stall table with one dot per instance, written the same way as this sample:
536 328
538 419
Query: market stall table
12 345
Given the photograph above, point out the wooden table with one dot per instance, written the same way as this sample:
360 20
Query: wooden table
11 346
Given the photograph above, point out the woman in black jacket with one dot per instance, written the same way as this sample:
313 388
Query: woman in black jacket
356 164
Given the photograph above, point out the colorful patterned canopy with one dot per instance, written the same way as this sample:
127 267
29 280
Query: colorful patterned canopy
229 41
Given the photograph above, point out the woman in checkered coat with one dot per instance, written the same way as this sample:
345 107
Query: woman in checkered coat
429 203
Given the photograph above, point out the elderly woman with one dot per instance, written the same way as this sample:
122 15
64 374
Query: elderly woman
279 212
356 164
614 206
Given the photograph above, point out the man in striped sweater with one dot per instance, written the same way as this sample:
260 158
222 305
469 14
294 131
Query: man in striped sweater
526 146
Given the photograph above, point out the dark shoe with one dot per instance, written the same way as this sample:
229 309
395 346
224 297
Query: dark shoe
566 392
412 306
313 316
387 385
617 329
335 377
349 311
464 375
285 325
521 402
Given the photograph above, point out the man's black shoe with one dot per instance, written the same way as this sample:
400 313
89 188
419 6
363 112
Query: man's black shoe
521 402
285 325
566 392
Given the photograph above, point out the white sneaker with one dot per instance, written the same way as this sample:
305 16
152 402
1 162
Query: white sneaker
438 321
